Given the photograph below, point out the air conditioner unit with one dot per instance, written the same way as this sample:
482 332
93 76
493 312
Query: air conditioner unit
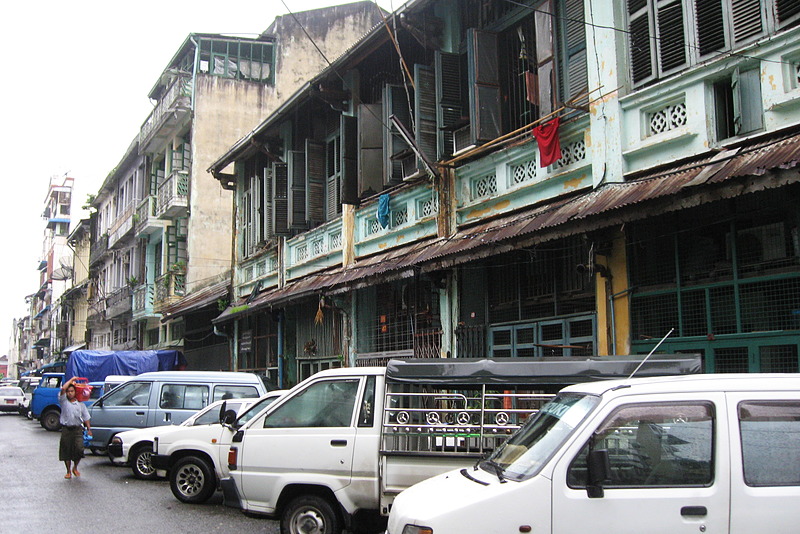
462 140
410 167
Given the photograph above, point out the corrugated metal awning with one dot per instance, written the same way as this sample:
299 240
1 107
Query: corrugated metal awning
681 186
196 300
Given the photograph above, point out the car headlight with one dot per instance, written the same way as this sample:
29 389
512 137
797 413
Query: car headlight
116 440
414 529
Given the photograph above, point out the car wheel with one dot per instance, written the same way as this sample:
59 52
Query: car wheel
310 514
50 420
192 480
140 462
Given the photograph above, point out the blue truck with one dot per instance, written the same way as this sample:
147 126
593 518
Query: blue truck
96 365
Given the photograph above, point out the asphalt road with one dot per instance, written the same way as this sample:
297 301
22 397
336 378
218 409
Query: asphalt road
35 497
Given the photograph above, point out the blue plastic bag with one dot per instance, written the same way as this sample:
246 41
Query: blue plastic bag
87 439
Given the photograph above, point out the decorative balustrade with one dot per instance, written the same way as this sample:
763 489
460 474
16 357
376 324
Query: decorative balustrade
178 95
118 302
143 298
98 249
123 224
173 194
169 287
315 246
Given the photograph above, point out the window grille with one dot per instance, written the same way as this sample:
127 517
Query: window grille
429 206
400 217
524 172
571 153
731 360
335 241
667 118
301 253
317 247
273 264
261 269
484 186
777 359
247 274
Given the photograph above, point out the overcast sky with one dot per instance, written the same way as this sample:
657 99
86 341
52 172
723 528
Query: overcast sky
73 85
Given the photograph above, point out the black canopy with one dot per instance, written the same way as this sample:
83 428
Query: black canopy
537 371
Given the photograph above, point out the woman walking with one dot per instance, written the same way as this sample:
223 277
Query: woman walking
74 417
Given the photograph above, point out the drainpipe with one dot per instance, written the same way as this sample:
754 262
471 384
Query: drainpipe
611 299
235 351
281 320
194 68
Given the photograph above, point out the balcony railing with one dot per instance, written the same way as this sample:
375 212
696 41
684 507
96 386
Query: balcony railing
147 221
118 302
176 99
173 195
99 249
123 224
169 288
143 298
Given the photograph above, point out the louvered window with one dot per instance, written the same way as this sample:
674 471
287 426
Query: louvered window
333 177
738 107
572 60
252 227
668 35
297 190
280 202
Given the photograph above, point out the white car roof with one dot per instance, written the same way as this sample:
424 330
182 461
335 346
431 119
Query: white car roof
744 382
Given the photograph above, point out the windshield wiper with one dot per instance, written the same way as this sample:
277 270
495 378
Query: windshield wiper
498 470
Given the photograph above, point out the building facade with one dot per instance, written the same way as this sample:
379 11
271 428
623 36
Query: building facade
535 178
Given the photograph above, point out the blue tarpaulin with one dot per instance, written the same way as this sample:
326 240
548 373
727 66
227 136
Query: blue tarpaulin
96 365
383 210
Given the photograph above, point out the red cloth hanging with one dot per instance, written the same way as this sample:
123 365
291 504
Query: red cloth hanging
549 145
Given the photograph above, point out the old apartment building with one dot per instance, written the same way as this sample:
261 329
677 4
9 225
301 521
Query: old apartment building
557 177
161 228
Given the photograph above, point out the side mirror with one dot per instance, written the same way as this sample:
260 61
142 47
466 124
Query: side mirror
228 418
598 468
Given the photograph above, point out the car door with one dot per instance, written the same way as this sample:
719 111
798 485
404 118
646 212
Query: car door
177 401
765 462
308 439
124 408
668 470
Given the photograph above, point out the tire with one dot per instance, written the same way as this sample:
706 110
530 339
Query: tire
97 451
192 480
50 420
310 514
140 462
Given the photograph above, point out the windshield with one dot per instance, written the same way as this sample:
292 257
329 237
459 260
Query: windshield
542 435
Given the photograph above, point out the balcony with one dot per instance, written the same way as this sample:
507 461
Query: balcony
173 195
169 288
118 303
314 249
147 222
123 224
99 249
143 298
168 116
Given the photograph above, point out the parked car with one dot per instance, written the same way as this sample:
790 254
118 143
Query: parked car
135 447
165 398
28 384
11 398
196 458
716 453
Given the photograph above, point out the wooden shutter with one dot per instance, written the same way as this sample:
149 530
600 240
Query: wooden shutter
787 12
269 221
747 105
395 103
297 190
710 26
747 19
448 99
574 67
640 26
370 143
348 184
543 20
280 199
671 36
425 111
484 85
315 181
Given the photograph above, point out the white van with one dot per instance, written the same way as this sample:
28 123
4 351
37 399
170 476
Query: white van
693 454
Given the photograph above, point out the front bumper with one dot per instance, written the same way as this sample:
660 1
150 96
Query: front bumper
115 450
230 495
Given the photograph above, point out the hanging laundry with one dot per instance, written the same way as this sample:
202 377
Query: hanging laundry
549 145
383 210
532 87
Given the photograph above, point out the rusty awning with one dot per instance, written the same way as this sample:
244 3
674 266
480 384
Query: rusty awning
765 164
196 300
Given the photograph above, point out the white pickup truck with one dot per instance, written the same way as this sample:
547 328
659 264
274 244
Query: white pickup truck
336 449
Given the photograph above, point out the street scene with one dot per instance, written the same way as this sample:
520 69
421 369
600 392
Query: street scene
390 267
105 498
